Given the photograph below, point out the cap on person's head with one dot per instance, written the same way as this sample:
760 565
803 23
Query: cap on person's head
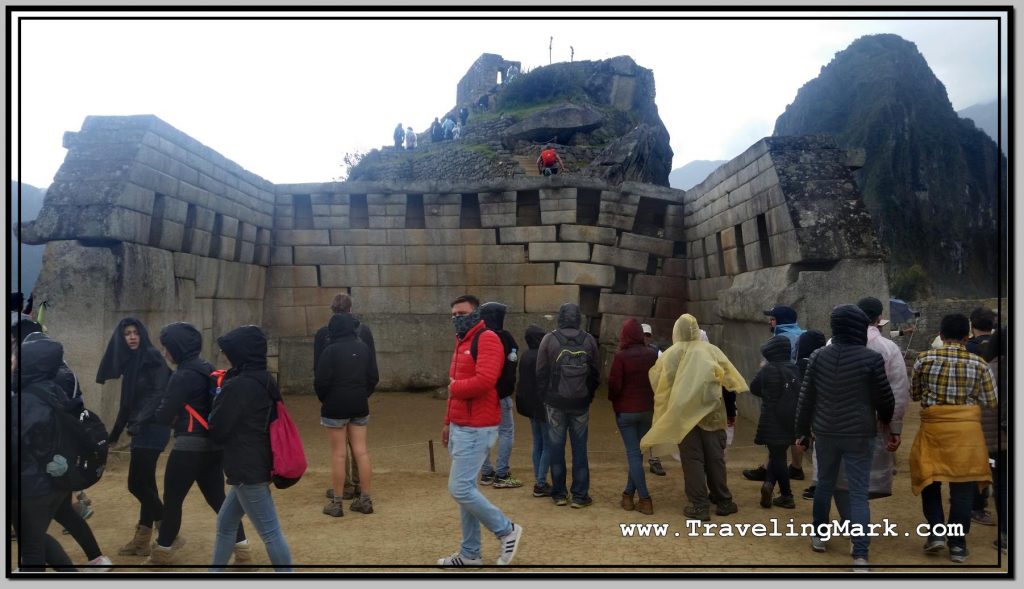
872 307
782 314
646 329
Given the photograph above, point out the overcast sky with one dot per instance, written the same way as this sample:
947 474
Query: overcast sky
287 99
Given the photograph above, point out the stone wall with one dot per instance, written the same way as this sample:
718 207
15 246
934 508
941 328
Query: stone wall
783 223
486 72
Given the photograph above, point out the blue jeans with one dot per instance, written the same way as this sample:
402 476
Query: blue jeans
632 427
541 455
575 424
256 502
506 434
855 455
961 497
468 446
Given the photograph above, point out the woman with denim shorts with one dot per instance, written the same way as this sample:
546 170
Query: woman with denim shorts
346 375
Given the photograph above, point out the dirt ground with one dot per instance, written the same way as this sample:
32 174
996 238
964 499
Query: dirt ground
416 521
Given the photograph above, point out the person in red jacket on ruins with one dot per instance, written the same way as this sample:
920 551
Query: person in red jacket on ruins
549 162
470 430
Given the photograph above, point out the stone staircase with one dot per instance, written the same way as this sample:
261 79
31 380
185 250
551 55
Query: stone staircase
527 163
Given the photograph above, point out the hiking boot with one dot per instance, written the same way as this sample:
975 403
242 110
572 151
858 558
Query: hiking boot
542 490
795 473
100 564
818 545
507 482
645 506
457 560
160 555
809 493
784 501
581 502
509 545
958 554
560 501
362 504
701 513
980 517
860 565
766 494
627 502
487 479
333 509
756 474
726 508
243 553
656 467
934 545
139 545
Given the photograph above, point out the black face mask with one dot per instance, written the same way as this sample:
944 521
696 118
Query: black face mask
463 323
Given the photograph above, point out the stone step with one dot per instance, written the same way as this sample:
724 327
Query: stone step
527 163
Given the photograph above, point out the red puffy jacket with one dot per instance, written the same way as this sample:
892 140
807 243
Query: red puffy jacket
473 398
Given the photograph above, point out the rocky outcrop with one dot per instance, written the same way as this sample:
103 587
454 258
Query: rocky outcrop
558 124
636 156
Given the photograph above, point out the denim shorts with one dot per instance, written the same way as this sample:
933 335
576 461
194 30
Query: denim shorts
328 422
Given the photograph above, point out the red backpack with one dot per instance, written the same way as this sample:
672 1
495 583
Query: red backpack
289 458
548 158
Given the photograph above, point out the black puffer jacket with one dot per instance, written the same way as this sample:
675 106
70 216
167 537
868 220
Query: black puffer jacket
528 401
769 384
845 391
33 427
322 339
347 372
190 383
244 408
806 344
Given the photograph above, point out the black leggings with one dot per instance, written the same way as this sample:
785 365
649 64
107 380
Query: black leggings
79 529
183 469
142 484
778 468
36 548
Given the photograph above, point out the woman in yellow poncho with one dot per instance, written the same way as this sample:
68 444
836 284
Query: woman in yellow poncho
689 411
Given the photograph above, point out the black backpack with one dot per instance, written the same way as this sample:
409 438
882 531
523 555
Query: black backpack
81 438
507 381
785 405
571 369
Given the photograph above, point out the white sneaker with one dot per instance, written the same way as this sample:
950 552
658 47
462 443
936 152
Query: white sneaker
101 564
860 565
509 544
457 560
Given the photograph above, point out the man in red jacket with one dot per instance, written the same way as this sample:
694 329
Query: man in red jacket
470 430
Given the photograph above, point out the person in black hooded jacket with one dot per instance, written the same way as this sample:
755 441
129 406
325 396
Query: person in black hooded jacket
346 376
239 421
806 344
131 357
530 405
194 457
33 432
777 384
844 394
500 474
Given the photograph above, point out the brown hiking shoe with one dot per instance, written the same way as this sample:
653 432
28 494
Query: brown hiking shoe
160 555
645 506
627 502
334 509
139 544
362 504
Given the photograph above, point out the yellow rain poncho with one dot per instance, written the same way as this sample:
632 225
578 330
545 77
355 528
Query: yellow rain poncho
687 382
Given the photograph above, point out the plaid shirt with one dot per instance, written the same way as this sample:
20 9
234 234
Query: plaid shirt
952 376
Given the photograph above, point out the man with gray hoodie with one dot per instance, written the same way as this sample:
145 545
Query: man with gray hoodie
567 377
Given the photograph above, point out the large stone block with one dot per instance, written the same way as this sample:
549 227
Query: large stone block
358 237
467 254
441 237
439 222
675 267
184 265
510 296
333 222
240 281
495 274
433 300
385 254
280 297
585 274
146 280
659 247
282 256
669 308
588 233
382 299
287 322
408 275
282 276
731 257
618 304
302 237
313 296
527 234
558 217
546 299
379 222
620 258
659 286
319 254
558 252
349 275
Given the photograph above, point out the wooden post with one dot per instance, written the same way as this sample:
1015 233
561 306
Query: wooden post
430 448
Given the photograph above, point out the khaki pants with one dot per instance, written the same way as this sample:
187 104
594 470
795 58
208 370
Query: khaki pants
702 454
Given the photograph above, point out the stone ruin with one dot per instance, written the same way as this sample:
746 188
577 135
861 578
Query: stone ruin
143 220
487 72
